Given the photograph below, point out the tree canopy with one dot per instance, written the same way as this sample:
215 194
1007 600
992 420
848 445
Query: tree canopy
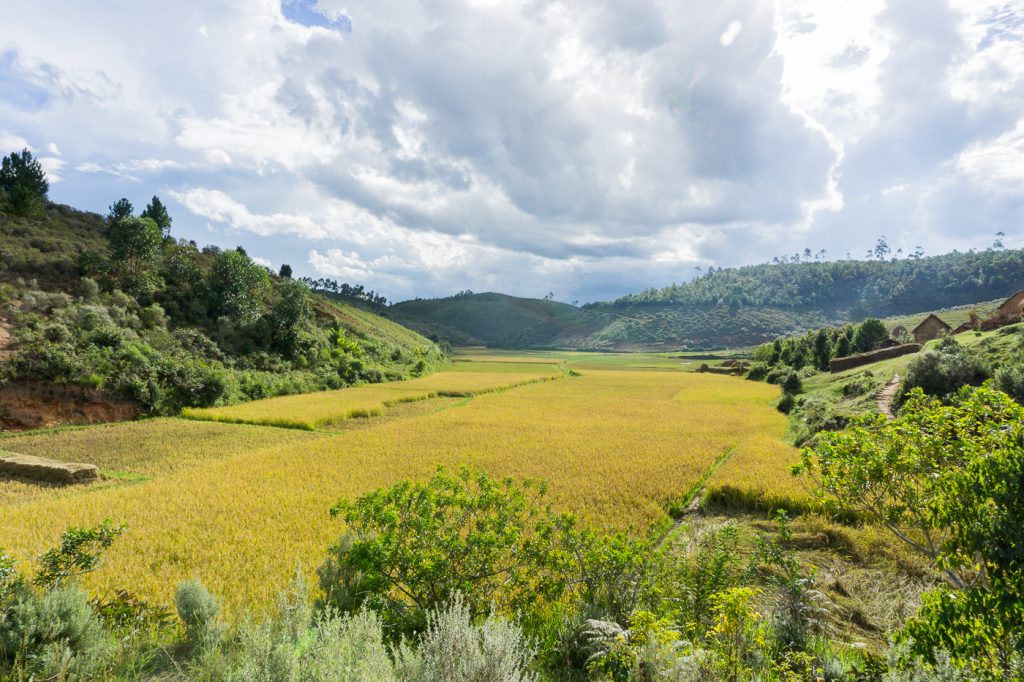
157 212
23 183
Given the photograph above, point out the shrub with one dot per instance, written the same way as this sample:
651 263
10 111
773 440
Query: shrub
452 648
54 635
941 372
792 384
87 289
944 479
786 403
758 372
414 546
198 610
1010 380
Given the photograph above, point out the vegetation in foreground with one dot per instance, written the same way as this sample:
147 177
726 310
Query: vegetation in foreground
465 576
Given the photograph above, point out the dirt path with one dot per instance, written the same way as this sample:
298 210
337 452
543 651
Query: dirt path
693 498
886 395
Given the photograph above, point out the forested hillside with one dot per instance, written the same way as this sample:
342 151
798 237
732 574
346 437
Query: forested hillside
117 305
727 307
851 288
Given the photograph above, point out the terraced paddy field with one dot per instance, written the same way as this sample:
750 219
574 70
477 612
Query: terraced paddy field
239 505
311 411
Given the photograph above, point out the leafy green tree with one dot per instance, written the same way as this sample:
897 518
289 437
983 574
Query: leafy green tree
119 210
843 346
289 314
23 183
869 335
237 287
946 480
135 252
285 271
414 546
822 350
157 212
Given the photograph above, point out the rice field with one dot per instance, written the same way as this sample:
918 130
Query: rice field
239 506
312 411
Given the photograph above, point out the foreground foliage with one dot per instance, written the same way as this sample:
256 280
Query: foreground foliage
945 479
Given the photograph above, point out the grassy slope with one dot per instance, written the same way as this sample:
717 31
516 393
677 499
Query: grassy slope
45 248
367 325
835 389
954 316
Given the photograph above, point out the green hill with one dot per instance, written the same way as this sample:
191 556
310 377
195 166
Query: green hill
728 307
94 306
497 320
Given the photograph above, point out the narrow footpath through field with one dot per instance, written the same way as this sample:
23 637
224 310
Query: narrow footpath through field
886 395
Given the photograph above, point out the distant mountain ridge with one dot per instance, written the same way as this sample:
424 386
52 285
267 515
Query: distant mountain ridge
727 307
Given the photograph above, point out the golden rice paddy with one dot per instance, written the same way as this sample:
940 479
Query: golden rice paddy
239 506
315 410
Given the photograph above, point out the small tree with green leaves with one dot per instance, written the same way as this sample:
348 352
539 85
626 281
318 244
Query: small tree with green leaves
289 313
135 252
23 183
869 335
237 287
79 552
414 546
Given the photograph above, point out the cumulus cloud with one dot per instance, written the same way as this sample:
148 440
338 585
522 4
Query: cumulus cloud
584 148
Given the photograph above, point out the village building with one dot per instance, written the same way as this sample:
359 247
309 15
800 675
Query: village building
931 327
1013 306
889 343
964 327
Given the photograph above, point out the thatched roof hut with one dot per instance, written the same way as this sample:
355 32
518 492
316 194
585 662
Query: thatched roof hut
931 327
1013 306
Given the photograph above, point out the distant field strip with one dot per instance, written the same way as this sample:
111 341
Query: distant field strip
616 447
317 410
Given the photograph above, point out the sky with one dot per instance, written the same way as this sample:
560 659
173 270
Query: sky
586 148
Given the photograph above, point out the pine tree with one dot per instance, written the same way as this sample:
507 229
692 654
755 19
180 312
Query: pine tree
157 212
23 183
119 210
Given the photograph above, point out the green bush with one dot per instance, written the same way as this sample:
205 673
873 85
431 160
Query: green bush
942 372
453 648
54 635
792 384
1010 380
198 610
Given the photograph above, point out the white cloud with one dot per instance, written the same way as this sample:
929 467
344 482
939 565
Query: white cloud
586 148
732 31
218 206
9 142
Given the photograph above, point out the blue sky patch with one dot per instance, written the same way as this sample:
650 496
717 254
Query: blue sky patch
307 13
15 90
